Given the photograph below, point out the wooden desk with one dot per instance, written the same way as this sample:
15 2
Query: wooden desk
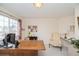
26 47
32 44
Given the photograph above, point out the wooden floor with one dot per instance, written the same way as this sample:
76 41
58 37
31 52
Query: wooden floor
25 48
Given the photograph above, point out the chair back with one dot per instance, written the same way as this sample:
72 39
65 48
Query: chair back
55 39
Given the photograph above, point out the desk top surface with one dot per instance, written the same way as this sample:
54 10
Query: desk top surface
32 44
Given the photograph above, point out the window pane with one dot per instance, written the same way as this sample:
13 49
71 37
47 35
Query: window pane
1 21
1 27
13 25
6 20
6 25
11 22
1 18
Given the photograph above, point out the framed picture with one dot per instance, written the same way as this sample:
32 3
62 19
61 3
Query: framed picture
32 30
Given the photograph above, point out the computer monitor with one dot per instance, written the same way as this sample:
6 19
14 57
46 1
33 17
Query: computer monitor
11 38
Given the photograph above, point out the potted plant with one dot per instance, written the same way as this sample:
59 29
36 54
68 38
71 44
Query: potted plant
75 43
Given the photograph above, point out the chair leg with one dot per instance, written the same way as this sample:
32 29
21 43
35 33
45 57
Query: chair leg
49 45
60 48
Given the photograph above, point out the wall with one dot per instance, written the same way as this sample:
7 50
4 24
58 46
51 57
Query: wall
45 27
64 25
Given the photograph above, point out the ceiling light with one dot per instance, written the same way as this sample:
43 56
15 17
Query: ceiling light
38 4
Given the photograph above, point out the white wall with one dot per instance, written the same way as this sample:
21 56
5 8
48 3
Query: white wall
45 27
64 25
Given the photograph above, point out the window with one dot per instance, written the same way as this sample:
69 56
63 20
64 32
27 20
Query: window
14 27
1 27
8 25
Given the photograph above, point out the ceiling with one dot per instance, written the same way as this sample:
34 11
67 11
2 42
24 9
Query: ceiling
48 10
